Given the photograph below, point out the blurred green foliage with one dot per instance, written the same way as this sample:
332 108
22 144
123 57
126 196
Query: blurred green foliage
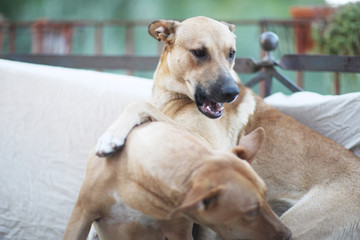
341 34
145 9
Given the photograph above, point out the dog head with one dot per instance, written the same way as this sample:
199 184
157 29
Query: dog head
199 54
229 197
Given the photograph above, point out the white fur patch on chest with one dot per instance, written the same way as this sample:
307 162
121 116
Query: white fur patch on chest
245 109
121 213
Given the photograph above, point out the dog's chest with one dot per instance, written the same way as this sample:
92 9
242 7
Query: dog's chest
120 213
222 133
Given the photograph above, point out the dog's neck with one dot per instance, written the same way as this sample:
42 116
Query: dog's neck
164 90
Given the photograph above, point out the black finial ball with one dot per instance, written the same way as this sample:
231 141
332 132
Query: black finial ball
269 41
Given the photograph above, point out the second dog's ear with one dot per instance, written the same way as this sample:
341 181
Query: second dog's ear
163 30
199 198
250 144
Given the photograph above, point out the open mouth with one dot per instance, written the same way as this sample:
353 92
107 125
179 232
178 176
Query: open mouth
207 107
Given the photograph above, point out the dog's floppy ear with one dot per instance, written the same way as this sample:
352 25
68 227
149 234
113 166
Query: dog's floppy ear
230 26
199 198
163 30
250 144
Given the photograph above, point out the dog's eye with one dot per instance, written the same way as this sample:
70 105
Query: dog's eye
231 55
207 202
200 53
253 212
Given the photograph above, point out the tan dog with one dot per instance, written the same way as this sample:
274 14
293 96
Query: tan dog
313 182
165 173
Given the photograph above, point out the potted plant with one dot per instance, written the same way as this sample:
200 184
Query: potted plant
304 41
340 33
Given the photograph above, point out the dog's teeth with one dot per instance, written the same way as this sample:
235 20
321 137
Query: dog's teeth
219 106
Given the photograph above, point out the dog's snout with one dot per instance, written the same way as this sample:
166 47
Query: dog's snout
229 92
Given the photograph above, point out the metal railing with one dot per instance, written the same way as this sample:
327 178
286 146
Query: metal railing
38 28
266 67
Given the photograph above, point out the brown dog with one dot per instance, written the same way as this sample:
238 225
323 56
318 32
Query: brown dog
313 182
164 179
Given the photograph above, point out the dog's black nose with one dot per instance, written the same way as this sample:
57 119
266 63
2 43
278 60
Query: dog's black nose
229 92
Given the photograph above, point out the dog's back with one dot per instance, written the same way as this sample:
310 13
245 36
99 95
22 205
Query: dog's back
172 152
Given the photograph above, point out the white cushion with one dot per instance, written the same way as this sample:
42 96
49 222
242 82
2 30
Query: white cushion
336 117
50 119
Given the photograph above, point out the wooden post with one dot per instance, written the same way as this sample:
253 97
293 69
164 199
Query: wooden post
129 43
38 31
12 39
99 39
301 41
67 32
337 83
1 38
299 78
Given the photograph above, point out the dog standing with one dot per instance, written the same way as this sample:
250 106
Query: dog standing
313 182
164 179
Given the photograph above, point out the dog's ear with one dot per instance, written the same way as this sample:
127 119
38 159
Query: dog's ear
250 144
199 198
230 26
163 30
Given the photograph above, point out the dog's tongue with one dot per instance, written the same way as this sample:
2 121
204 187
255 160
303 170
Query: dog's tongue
212 108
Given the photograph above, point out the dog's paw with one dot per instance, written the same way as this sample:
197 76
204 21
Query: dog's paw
108 145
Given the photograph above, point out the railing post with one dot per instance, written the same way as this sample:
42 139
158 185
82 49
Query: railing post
129 42
269 42
337 83
262 87
38 29
301 31
99 38
67 31
1 38
12 38
299 78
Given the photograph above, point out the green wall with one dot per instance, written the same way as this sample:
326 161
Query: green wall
148 9
247 36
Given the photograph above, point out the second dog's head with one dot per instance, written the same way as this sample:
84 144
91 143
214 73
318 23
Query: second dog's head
200 54
228 196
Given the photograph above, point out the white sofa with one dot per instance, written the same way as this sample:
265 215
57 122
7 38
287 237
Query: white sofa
51 117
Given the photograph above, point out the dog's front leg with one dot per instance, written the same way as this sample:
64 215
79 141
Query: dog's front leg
135 114
78 226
